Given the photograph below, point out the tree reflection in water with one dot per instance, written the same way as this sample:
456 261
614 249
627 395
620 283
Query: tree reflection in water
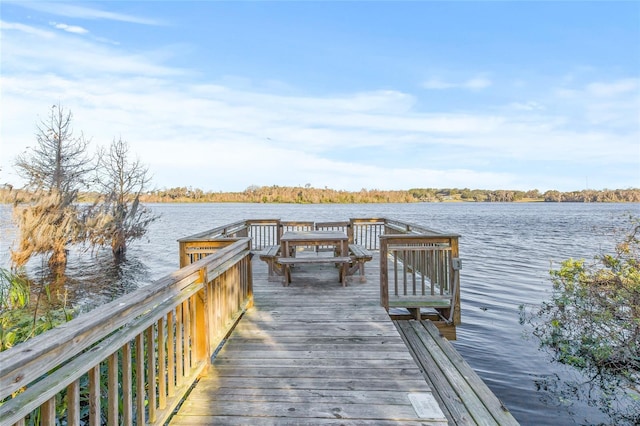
91 279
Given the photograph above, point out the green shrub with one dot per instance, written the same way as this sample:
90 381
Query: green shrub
592 322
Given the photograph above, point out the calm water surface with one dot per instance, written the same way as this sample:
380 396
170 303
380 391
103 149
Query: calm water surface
507 251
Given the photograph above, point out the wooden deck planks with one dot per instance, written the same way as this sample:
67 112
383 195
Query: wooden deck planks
312 353
316 353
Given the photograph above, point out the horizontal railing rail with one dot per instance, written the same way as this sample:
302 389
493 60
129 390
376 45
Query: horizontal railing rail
220 231
130 361
396 226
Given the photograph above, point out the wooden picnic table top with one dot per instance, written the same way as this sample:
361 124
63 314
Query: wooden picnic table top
309 236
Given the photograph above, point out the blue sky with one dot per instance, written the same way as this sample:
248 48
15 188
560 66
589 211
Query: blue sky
345 95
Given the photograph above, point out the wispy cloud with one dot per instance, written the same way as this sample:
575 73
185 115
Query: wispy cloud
527 106
69 28
27 29
609 105
83 12
476 83
609 89
62 54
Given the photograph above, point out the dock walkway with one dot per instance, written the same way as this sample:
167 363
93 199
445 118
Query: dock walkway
314 353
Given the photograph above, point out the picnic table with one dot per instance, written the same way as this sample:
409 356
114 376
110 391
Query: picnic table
337 240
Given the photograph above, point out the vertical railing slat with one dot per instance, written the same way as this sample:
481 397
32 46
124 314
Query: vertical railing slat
423 273
140 394
414 273
162 365
186 337
151 373
73 403
127 385
179 347
112 389
171 352
94 396
48 412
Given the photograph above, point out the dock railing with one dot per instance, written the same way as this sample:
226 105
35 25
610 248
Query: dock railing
130 361
419 266
420 269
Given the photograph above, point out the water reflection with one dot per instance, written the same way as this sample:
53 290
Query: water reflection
90 279
601 393
98 278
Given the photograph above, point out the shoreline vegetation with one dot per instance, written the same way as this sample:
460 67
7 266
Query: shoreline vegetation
309 195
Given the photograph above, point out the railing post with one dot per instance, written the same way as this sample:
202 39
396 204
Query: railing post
249 271
350 227
184 261
202 324
244 232
455 254
278 231
384 274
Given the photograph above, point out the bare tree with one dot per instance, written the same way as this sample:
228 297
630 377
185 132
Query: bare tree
119 217
55 169
59 160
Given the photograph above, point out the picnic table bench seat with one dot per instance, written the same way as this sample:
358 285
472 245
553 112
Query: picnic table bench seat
359 256
287 262
270 256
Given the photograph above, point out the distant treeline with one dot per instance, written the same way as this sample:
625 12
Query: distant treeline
309 195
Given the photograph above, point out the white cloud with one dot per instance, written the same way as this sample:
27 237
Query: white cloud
58 53
75 11
614 88
70 28
612 105
475 83
527 106
27 29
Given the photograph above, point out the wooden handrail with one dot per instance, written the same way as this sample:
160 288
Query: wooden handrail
220 231
173 325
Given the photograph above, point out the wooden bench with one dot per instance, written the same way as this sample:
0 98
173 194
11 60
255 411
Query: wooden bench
270 256
462 395
287 262
359 255
414 303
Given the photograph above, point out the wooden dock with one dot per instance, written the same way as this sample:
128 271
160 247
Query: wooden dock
312 353
315 353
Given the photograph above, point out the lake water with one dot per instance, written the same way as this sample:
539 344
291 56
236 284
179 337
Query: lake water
506 249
